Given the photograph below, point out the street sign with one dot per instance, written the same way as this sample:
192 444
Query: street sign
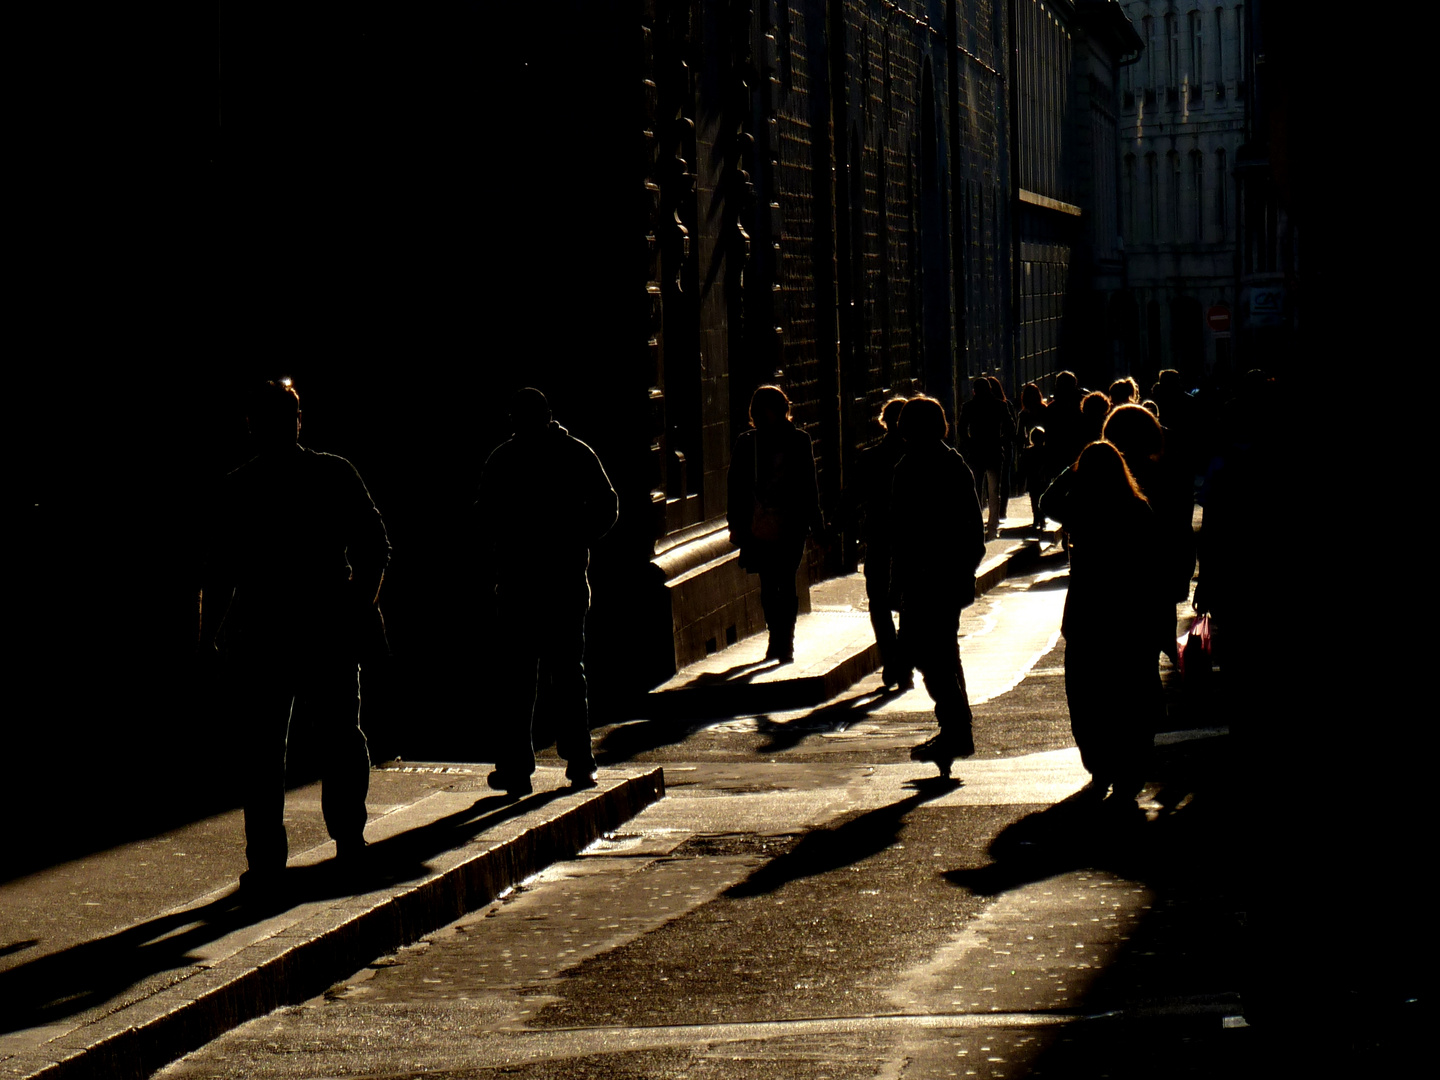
1218 318
1266 306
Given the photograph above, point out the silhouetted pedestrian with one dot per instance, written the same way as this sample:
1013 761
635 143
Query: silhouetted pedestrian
1009 454
939 540
1169 489
1032 413
774 501
297 556
1094 408
985 434
877 476
1034 465
1123 391
1116 619
1064 426
544 502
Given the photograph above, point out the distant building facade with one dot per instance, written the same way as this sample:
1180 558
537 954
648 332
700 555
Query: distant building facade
1182 126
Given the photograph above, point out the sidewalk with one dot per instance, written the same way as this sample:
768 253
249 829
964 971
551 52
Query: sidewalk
834 643
114 964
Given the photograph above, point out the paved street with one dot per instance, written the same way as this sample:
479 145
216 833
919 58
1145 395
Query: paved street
807 902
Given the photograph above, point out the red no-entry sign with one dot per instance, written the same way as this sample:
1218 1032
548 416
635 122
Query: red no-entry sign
1218 318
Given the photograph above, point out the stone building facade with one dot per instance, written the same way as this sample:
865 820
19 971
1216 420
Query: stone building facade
1181 130
822 194
1067 260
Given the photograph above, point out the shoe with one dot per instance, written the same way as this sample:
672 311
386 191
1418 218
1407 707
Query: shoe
261 886
351 850
943 749
511 785
582 778
900 682
1095 791
780 651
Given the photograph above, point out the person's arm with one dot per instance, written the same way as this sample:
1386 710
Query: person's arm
1055 503
740 489
601 506
217 578
814 513
367 545
972 542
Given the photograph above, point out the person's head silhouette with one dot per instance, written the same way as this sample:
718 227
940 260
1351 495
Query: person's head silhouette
273 414
923 421
529 411
769 408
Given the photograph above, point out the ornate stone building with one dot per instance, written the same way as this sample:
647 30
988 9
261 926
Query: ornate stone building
1181 129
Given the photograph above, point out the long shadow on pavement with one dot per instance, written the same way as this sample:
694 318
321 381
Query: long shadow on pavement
836 716
58 985
624 742
842 845
1182 956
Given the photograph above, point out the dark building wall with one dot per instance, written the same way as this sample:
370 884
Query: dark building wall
645 213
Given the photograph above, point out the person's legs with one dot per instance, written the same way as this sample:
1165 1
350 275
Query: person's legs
517 656
1088 683
930 636
1140 709
778 600
897 670
260 723
992 495
333 694
562 662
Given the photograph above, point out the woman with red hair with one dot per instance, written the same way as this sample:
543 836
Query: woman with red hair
1117 618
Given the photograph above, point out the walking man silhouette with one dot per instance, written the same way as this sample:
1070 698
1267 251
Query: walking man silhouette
938 540
544 501
297 555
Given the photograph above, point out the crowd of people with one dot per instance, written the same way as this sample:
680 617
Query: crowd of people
1117 468
295 573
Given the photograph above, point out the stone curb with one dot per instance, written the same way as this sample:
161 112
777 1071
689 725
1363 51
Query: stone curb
302 961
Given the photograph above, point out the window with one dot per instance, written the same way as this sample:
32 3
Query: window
1220 51
1172 56
1152 197
1222 183
1129 196
1197 49
1197 173
1240 46
1152 72
1176 176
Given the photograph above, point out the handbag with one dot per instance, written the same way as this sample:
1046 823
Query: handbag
764 522
1196 653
